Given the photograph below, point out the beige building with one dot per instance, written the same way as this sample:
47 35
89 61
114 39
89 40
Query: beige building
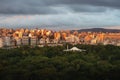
1 43
7 41
42 41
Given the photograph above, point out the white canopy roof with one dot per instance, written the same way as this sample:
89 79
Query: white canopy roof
75 49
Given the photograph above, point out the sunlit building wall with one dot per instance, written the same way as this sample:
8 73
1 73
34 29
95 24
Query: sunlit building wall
1 43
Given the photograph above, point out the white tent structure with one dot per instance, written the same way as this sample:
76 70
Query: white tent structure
74 49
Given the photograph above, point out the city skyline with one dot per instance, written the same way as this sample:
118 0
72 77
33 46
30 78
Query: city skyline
60 14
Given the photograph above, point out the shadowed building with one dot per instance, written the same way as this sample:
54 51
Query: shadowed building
7 41
18 41
33 40
25 40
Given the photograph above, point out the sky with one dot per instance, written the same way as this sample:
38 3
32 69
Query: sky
60 14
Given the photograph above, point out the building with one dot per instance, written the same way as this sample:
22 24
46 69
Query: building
7 41
18 41
1 43
118 44
47 40
94 41
25 40
42 41
33 41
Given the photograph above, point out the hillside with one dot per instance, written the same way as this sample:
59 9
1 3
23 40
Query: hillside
99 30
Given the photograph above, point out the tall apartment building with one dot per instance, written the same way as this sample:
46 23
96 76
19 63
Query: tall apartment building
1 43
33 40
7 41
18 41
25 40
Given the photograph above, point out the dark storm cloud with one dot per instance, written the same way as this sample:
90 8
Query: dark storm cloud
50 6
105 3
87 8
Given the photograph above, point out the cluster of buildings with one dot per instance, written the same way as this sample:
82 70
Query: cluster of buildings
41 37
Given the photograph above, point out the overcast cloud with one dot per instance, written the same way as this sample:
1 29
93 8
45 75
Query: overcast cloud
60 14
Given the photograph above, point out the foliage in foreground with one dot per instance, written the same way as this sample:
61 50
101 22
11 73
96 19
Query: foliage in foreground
51 63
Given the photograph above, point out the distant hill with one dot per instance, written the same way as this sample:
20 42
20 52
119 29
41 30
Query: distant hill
98 30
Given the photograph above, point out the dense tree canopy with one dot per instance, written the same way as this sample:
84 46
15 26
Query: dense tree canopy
99 62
